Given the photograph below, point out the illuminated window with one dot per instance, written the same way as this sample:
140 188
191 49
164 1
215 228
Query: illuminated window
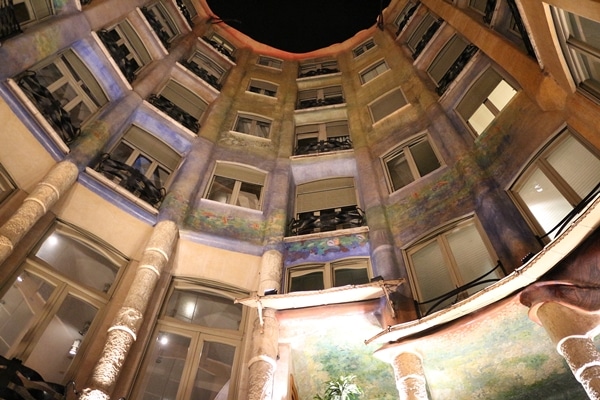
352 271
237 185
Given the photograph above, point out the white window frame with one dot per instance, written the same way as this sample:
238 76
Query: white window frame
384 99
270 62
419 31
409 5
166 20
313 65
202 60
134 44
241 174
324 194
223 43
557 181
261 87
255 122
187 100
320 130
363 47
322 93
328 270
37 10
373 71
404 149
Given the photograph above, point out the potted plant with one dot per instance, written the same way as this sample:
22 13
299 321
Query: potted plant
341 388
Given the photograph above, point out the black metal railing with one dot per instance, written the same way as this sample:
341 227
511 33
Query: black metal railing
327 220
456 68
521 27
185 12
458 292
490 7
202 73
119 53
157 27
426 38
406 17
50 107
20 382
318 71
131 179
9 25
219 47
324 146
175 112
319 102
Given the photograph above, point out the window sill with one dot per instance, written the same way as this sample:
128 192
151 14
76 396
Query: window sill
328 234
226 205
249 136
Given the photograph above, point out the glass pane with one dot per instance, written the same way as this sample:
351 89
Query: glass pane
471 255
432 274
165 367
249 195
585 30
399 171
80 259
214 372
79 113
309 281
221 189
243 125
576 165
501 95
142 164
159 177
481 119
64 94
350 276
24 300
54 351
48 75
122 152
204 309
424 157
262 129
544 201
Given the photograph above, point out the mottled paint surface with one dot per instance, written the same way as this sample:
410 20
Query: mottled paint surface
327 249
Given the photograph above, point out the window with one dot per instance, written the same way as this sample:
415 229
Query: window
28 11
126 48
446 58
270 62
253 125
196 347
237 185
407 12
61 286
578 37
369 44
142 164
449 259
161 22
558 179
373 71
7 186
221 45
317 67
262 87
181 104
484 100
427 24
387 104
409 162
478 5
65 91
205 68
352 271
320 97
333 135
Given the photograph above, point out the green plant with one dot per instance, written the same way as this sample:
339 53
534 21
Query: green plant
341 388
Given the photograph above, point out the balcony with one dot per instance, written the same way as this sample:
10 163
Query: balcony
220 48
456 68
202 74
323 146
9 25
327 221
319 102
175 112
157 27
119 53
317 70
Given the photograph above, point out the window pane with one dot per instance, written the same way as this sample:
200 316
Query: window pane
308 281
399 171
165 366
159 177
121 153
350 276
243 125
22 302
204 309
432 275
501 95
214 371
585 30
48 75
78 259
481 119
221 189
65 93
79 113
142 164
51 356
249 195
577 166
424 157
262 129
544 201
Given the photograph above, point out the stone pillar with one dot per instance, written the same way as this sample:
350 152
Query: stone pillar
410 377
568 329
47 192
265 343
128 320
270 271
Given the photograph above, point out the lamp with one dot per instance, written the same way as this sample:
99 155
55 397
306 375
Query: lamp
74 347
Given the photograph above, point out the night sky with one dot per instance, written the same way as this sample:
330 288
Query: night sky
298 26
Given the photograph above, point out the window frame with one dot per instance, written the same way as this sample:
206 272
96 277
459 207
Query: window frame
135 45
404 148
308 66
328 269
363 48
185 99
233 170
384 98
255 120
262 87
364 74
205 62
270 62
444 59
321 133
32 11
165 18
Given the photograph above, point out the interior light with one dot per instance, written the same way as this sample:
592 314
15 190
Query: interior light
52 240
75 347
19 278
164 340
538 188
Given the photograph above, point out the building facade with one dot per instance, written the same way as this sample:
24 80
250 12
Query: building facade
188 213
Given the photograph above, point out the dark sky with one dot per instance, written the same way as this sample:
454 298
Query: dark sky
299 26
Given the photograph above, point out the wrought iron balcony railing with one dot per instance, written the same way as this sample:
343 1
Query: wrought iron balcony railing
456 68
490 7
131 179
324 146
406 17
219 47
327 220
318 71
202 74
119 53
185 12
426 38
309 103
9 25
514 9
458 293
173 111
50 107
157 27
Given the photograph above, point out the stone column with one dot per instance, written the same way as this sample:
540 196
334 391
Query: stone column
128 320
265 343
410 377
47 192
568 329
